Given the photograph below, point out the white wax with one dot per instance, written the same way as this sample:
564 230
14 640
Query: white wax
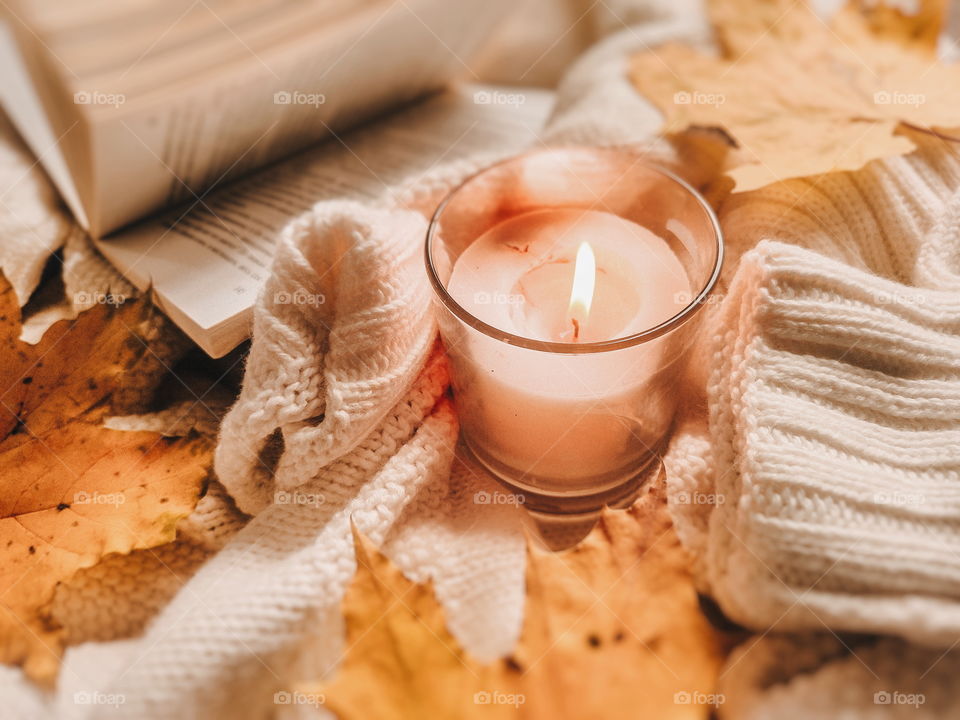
558 416
518 276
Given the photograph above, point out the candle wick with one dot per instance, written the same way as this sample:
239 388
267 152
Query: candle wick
576 329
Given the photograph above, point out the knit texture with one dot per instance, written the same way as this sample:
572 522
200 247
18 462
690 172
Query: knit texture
823 677
825 489
34 226
32 223
342 422
341 328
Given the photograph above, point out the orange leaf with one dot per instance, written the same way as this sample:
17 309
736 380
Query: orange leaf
72 490
613 629
801 97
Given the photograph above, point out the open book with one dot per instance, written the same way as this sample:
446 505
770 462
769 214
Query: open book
207 261
134 107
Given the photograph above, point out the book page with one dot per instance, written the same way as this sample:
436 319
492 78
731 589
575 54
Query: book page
141 46
25 110
175 97
210 258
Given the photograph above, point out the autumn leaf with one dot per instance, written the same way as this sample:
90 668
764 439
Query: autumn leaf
612 629
73 490
801 97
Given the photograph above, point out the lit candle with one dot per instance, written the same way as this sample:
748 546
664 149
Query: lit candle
573 276
570 275
566 282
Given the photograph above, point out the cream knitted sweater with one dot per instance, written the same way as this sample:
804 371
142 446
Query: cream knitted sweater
825 488
816 477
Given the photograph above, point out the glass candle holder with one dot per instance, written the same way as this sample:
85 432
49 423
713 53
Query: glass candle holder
568 282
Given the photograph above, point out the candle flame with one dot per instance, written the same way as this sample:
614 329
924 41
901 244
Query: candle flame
584 281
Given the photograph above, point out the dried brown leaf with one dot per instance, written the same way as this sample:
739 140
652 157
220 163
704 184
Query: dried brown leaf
801 97
613 629
73 490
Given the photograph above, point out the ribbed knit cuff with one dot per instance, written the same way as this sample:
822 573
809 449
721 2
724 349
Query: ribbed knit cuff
835 430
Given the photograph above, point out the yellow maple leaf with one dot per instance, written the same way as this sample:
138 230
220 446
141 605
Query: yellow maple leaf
612 629
802 97
73 490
